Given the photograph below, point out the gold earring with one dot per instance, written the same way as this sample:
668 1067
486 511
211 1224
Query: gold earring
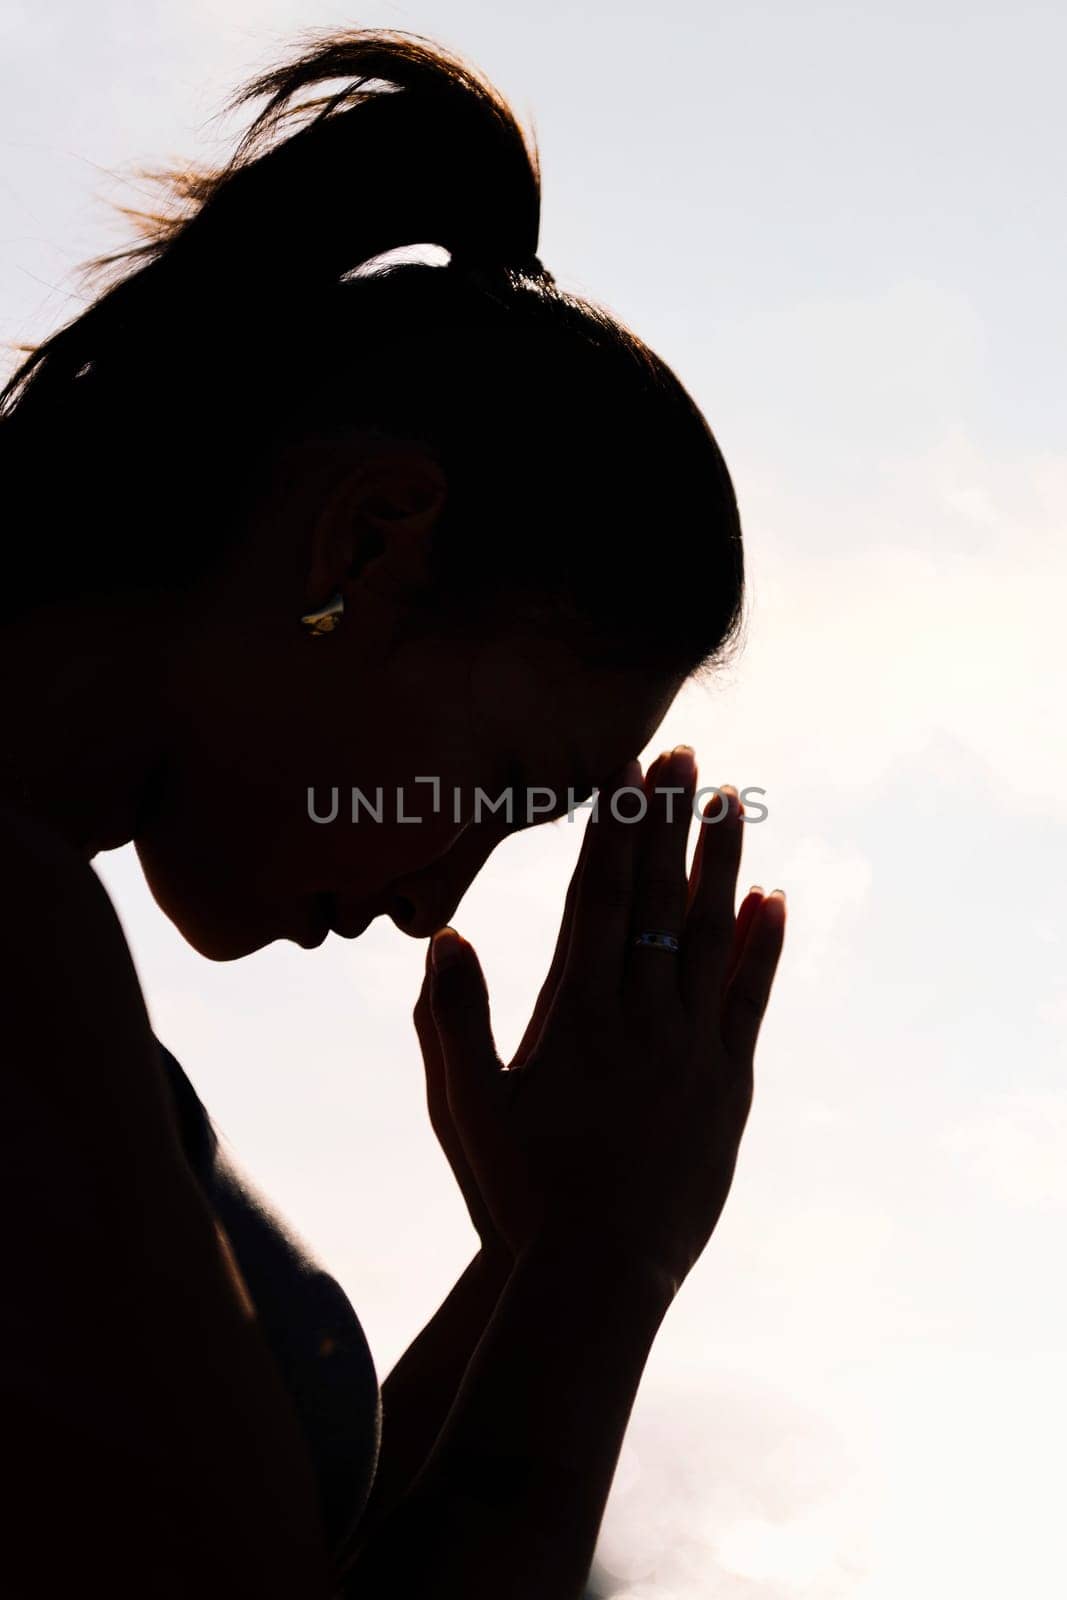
328 617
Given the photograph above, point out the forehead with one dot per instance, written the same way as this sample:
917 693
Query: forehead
561 719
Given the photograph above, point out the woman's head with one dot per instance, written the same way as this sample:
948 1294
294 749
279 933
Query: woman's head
530 522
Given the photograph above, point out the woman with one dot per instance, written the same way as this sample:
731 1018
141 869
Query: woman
285 521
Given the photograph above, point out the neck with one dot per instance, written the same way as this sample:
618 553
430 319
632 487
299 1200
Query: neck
79 718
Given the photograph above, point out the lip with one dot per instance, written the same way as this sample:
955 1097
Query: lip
317 924
353 926
326 916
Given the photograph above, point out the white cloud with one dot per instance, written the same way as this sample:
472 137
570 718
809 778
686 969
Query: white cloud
829 887
1016 1143
733 1488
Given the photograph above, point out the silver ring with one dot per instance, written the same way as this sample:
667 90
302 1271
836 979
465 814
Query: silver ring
657 939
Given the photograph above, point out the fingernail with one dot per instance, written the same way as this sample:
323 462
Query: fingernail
776 894
445 948
681 763
757 888
716 810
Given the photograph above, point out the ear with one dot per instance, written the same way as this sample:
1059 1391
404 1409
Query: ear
376 524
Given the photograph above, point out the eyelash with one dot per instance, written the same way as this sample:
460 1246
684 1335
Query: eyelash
518 824
520 794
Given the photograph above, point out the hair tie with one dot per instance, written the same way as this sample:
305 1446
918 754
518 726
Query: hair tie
535 268
531 267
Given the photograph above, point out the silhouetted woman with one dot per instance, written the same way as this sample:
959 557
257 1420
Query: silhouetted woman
278 525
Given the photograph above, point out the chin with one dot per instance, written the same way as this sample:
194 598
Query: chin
220 924
220 937
219 943
212 933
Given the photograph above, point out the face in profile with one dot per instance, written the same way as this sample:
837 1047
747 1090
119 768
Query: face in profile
265 724
253 837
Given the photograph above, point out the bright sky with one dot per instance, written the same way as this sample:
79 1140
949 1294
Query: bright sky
844 227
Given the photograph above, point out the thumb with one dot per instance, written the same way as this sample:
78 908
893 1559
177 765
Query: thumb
459 1001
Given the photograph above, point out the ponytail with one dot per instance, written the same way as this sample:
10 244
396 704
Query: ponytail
255 311
415 148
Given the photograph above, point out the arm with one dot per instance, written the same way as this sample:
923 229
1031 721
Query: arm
603 1163
419 1391
510 1500
417 1395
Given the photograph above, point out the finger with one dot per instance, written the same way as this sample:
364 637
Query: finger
547 994
432 1055
459 1002
660 885
750 988
710 922
713 809
593 966
746 916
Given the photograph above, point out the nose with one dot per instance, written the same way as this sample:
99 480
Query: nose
423 909
427 900
403 911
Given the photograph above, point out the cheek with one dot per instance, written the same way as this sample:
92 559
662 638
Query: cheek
234 852
365 855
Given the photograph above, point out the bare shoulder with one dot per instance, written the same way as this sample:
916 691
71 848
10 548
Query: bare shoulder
131 1363
78 1062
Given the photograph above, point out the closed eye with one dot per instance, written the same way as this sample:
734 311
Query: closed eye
523 794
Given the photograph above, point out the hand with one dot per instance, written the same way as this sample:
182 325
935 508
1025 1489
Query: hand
618 1123
443 1124
493 1238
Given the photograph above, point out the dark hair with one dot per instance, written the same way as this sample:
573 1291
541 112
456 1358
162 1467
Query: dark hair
585 487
